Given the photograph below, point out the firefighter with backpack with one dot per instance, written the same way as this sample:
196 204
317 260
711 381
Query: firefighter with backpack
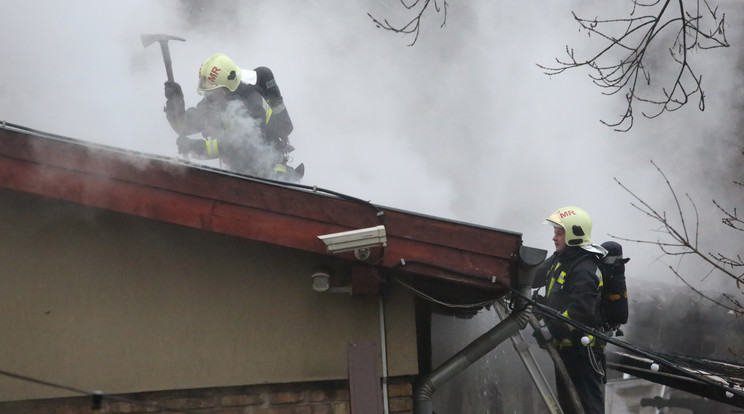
574 288
242 119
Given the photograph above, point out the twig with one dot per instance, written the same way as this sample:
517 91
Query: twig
685 243
414 25
628 73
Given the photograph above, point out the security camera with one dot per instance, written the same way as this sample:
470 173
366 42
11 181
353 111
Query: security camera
356 240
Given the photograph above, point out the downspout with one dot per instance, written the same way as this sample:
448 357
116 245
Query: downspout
383 347
529 258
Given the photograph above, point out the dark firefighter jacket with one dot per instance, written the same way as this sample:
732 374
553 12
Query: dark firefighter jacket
575 295
245 131
279 125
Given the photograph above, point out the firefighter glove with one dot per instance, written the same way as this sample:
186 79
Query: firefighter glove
173 91
539 300
542 335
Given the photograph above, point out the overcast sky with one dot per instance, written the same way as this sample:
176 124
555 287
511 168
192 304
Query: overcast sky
463 125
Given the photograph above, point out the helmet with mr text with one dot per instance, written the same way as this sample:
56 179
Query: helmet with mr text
219 71
577 224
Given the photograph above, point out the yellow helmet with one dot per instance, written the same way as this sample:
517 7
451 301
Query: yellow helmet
216 72
577 224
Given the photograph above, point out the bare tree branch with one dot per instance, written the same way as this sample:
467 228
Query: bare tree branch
736 307
629 62
631 72
414 25
684 243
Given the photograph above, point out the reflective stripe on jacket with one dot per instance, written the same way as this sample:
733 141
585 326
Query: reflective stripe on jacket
573 284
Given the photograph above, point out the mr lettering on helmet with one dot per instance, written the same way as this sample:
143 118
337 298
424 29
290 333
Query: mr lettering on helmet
567 213
213 74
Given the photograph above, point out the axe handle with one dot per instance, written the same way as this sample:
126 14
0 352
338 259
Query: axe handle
166 59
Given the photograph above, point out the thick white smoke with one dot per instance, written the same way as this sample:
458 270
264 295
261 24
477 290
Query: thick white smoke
462 125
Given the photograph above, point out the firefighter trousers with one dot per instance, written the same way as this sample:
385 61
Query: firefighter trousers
588 382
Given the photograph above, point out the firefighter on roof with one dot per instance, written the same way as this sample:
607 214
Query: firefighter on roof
242 119
573 281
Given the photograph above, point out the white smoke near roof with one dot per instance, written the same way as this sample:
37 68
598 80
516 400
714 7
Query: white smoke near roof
462 125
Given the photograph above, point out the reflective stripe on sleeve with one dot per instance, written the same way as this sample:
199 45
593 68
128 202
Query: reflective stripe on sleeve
269 111
278 108
213 149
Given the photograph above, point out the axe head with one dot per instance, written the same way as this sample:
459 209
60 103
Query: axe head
148 39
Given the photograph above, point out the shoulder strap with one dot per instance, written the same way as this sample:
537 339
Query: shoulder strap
581 259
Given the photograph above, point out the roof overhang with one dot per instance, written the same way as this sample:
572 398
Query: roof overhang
463 262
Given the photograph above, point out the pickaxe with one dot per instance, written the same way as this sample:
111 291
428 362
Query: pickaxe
148 39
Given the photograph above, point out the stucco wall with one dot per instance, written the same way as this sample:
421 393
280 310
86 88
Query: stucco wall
103 301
